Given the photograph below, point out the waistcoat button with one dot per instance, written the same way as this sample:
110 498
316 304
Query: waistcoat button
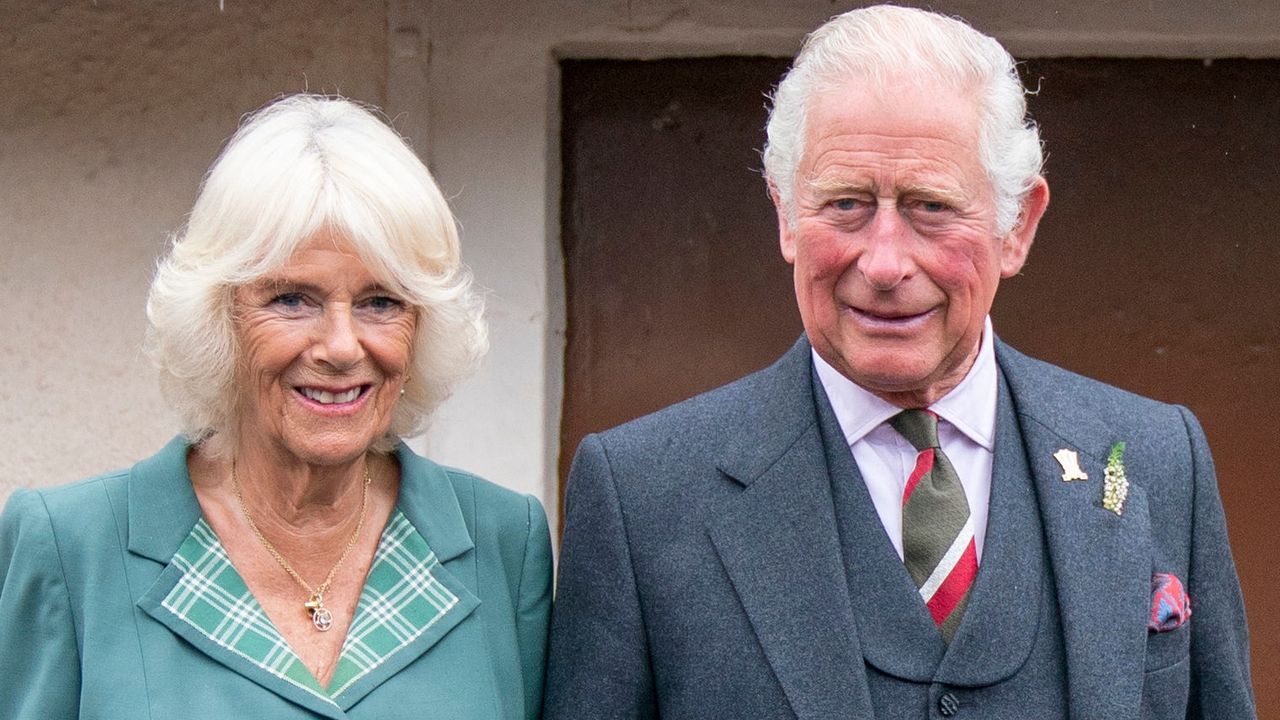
948 705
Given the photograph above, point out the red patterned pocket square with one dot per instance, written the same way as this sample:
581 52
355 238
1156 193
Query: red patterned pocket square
1170 606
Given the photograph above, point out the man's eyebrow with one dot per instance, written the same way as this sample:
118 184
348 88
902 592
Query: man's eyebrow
949 195
835 186
829 187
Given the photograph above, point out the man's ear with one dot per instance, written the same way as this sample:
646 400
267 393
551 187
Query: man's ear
786 240
1017 244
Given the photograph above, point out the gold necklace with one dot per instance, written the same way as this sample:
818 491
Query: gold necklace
321 617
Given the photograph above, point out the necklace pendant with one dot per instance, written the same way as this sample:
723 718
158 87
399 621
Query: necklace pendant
322 619
320 615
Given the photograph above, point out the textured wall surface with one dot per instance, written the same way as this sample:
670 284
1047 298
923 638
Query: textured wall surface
111 113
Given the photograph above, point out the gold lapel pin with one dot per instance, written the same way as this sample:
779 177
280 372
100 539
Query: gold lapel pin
1070 463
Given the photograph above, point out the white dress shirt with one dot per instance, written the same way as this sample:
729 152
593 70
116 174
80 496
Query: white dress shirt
885 458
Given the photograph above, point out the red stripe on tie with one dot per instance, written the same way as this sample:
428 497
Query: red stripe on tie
924 463
953 589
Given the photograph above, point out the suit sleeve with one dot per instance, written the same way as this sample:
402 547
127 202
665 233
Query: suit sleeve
599 660
1220 679
533 613
40 660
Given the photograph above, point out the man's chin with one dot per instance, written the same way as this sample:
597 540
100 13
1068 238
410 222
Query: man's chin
889 378
884 371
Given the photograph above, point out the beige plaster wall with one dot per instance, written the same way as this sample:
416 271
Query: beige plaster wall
110 113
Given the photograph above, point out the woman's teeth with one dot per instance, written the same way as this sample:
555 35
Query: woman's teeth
324 397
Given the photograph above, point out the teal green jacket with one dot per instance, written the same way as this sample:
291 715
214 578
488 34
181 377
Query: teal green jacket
83 634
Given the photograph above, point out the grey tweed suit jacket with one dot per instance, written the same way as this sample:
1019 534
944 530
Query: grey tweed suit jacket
701 573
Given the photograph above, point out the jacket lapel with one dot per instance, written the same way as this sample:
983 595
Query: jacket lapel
429 501
896 632
162 506
1101 561
778 543
163 510
999 627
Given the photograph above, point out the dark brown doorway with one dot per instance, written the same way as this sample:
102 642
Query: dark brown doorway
1156 268
674 284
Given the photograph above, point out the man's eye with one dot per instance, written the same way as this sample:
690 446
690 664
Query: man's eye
846 204
933 206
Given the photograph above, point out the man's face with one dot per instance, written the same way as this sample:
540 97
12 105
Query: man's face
894 244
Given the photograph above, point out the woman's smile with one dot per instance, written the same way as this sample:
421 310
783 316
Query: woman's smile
350 399
326 350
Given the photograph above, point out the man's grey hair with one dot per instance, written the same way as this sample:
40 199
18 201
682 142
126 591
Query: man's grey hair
883 44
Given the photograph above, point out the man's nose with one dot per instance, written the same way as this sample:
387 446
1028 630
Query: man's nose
885 260
338 344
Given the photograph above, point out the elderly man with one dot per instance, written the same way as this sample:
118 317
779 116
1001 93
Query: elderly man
902 517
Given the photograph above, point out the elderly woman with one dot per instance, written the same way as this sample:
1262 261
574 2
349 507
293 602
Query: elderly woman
287 557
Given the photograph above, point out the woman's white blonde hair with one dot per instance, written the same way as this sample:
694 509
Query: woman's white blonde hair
303 166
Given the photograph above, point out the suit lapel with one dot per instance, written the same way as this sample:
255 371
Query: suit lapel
1101 562
999 627
895 630
778 543
897 634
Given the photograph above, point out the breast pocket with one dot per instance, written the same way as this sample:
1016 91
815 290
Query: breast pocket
1165 690
1165 649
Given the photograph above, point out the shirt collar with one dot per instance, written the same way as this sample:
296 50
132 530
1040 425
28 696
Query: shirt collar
970 406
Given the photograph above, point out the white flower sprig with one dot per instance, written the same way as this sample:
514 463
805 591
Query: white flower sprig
1115 486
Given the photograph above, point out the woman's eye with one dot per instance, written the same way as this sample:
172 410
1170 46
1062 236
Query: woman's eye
288 300
383 303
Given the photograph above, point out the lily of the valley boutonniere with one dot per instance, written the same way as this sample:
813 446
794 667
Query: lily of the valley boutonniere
1115 486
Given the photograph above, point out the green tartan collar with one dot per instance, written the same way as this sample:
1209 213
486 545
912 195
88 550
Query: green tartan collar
402 598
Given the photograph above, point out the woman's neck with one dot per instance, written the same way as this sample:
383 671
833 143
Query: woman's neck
288 497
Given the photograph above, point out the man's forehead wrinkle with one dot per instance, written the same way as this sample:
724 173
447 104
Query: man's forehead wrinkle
865 170
947 136
831 151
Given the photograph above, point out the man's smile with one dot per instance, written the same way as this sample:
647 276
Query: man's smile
890 319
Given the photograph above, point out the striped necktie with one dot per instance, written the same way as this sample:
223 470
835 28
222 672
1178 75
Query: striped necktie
937 531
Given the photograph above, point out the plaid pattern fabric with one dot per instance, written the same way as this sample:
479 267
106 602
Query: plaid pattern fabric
401 599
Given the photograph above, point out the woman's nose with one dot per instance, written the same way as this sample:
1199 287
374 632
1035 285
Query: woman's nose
338 344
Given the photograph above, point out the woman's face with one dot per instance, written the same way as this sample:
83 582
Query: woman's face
324 351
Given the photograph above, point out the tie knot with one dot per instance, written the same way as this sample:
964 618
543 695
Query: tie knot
919 427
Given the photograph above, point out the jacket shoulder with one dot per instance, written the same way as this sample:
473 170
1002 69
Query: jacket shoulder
1049 391
496 516
1164 443
490 497
76 512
